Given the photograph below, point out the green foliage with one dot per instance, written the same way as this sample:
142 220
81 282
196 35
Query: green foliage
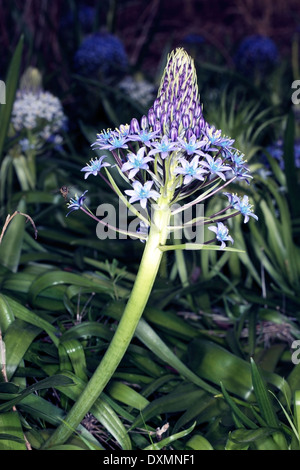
203 360
12 78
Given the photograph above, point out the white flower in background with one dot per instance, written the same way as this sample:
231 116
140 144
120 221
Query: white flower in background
138 89
39 112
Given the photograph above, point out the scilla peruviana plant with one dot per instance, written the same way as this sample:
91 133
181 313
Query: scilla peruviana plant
171 156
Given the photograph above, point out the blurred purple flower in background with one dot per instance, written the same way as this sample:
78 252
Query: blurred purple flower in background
101 55
256 53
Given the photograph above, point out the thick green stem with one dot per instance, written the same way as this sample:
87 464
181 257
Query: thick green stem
134 309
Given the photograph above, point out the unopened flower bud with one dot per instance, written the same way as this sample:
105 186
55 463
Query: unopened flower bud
173 134
188 134
186 121
134 126
151 117
158 112
144 122
157 126
197 131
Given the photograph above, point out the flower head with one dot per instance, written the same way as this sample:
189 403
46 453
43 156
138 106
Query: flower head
192 146
175 148
39 112
145 136
76 202
136 162
191 170
103 138
164 147
178 101
276 151
101 54
115 140
213 139
215 166
140 90
242 205
142 193
94 167
221 232
256 53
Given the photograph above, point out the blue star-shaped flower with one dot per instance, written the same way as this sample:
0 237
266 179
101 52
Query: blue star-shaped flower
145 136
116 141
192 145
215 166
103 138
164 147
242 205
238 158
136 162
213 137
221 234
142 193
94 167
191 170
76 202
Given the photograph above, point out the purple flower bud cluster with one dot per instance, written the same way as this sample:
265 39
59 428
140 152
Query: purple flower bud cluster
177 107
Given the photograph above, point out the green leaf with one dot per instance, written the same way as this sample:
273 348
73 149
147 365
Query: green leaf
179 400
75 352
8 305
205 409
11 433
216 364
126 395
15 349
56 277
237 411
266 407
241 439
6 314
41 409
101 410
198 442
198 246
297 413
55 381
11 246
11 81
169 322
87 330
263 397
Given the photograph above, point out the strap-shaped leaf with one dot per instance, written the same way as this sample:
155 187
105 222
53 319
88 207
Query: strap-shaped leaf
55 381
11 246
11 82
11 433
